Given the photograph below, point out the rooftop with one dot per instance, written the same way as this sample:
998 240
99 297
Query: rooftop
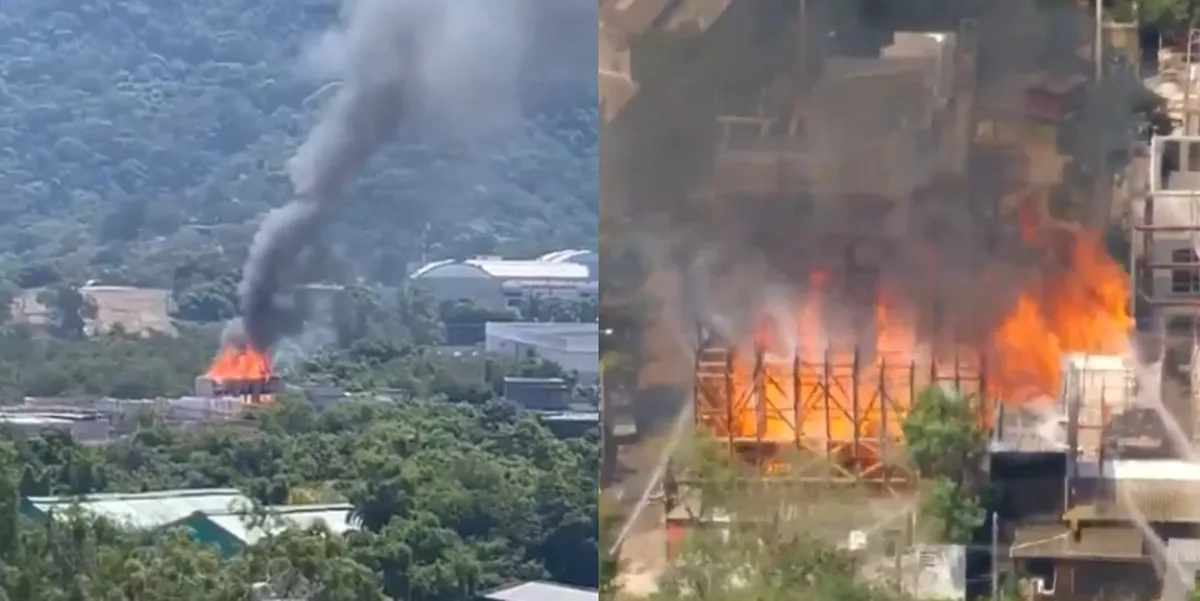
1176 470
1056 541
542 591
558 265
564 256
571 416
336 517
569 337
147 510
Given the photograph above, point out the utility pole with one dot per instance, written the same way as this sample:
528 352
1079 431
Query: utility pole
1099 44
995 556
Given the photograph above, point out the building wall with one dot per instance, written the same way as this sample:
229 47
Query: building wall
1085 579
575 347
483 291
1107 580
207 533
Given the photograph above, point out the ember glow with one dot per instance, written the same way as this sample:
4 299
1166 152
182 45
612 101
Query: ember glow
239 364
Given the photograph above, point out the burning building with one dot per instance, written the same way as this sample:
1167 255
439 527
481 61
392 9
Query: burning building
240 372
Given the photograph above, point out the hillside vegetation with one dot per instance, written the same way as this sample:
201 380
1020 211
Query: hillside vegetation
141 145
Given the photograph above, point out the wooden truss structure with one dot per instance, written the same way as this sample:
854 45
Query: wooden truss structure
841 415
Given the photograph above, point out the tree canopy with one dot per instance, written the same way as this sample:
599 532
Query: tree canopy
451 498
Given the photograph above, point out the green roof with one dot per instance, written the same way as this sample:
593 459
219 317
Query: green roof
147 510
337 518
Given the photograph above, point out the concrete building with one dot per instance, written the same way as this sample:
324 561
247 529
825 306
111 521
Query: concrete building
497 283
574 346
134 310
82 427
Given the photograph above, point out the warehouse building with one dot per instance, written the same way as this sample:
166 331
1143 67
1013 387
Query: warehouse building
573 346
498 283
213 516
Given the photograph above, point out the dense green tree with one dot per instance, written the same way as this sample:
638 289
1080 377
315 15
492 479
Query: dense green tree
452 499
946 446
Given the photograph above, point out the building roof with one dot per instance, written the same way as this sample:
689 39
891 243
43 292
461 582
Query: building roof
506 269
147 510
531 270
35 419
336 517
566 256
542 591
1057 541
1174 470
592 417
567 337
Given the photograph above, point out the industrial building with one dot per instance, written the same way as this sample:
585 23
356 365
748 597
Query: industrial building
498 283
573 346
213 516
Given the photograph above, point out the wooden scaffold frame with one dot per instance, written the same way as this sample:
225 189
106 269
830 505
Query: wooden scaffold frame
843 413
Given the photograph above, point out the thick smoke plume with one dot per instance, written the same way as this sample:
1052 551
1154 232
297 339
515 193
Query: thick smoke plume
955 255
390 61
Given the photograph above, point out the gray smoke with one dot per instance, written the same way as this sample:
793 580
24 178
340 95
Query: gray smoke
390 60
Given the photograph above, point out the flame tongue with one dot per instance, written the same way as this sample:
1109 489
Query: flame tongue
240 364
1078 303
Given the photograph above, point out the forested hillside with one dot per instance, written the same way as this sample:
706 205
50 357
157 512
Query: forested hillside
141 141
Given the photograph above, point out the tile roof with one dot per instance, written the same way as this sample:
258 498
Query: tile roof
150 509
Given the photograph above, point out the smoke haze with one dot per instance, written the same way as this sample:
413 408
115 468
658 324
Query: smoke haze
954 254
390 61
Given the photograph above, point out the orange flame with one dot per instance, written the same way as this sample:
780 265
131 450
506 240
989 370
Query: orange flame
1080 308
814 391
235 364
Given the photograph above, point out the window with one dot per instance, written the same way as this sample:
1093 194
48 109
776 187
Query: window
1193 156
1185 281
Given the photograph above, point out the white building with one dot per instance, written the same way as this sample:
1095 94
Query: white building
496 282
574 346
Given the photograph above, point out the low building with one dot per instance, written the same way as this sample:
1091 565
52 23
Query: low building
134 310
84 427
1092 562
231 531
541 591
570 424
141 511
538 394
217 516
573 346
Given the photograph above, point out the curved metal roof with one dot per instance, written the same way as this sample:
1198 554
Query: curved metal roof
505 269
566 256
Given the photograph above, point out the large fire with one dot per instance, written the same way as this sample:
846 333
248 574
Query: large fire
1078 303
240 364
